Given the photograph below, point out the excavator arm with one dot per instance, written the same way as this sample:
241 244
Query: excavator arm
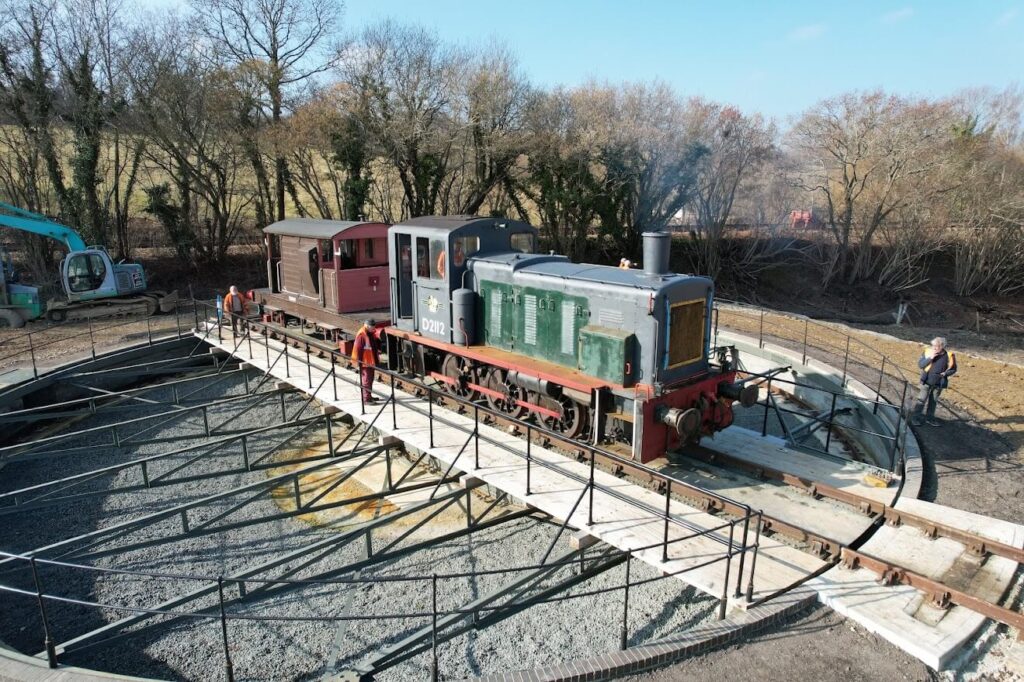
27 221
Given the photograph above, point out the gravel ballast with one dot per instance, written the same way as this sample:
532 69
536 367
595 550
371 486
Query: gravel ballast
276 648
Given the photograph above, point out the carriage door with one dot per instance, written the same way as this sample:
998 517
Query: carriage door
431 307
403 287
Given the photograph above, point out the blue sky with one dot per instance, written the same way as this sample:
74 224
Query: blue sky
776 58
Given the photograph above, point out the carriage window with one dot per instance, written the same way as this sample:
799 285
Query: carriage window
522 241
422 257
438 259
326 252
368 248
464 248
347 253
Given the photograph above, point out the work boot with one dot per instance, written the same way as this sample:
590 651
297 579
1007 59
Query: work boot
932 421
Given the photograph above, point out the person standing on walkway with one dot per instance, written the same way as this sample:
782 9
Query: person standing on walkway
937 365
366 354
235 307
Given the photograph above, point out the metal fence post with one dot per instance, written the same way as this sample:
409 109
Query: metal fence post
433 628
92 340
32 353
590 511
430 414
753 559
330 434
760 332
743 554
394 417
878 393
846 359
334 377
728 564
476 436
177 318
228 667
51 652
624 630
529 440
807 323
287 366
668 500
149 330
831 418
767 397
309 369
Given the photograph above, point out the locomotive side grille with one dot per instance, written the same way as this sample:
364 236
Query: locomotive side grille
686 333
530 319
568 327
496 303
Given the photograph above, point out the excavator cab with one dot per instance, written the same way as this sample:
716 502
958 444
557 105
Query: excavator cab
91 274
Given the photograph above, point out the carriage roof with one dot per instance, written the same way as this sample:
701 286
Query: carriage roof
319 229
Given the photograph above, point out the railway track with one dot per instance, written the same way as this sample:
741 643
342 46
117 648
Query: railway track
834 552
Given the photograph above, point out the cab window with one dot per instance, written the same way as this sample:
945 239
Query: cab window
422 257
464 248
522 242
86 272
438 259
347 254
326 252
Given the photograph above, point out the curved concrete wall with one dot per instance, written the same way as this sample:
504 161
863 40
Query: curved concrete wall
757 359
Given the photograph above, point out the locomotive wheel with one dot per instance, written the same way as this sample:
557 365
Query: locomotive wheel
573 421
495 381
456 368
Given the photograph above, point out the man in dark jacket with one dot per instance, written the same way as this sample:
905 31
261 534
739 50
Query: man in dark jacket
937 365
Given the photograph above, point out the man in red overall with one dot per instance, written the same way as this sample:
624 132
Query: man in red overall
366 354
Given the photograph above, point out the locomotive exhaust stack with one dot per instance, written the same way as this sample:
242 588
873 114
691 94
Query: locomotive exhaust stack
657 247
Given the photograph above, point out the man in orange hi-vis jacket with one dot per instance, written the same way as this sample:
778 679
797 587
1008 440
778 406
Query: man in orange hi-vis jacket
235 307
937 365
366 354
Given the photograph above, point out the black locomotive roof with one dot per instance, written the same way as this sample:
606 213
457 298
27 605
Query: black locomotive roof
308 227
454 222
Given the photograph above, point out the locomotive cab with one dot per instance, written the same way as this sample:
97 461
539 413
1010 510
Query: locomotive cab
430 259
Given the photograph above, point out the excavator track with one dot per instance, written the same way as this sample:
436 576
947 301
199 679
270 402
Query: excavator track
144 304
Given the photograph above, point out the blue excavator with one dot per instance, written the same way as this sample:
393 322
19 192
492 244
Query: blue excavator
94 285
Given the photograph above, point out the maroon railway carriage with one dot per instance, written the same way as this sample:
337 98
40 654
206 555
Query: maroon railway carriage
332 273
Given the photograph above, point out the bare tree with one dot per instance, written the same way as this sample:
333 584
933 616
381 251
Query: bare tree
493 100
409 81
190 110
867 155
281 44
736 146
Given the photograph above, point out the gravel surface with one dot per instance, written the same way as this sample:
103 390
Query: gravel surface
192 648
